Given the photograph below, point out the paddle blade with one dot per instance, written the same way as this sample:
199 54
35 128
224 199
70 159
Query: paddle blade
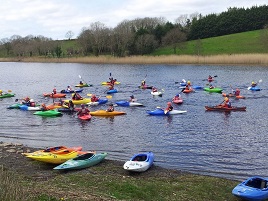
9 90
109 97
89 94
79 76
260 80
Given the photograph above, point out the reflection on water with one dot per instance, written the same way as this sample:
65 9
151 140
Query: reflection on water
232 145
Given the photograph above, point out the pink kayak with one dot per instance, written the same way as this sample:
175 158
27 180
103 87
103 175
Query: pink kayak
85 117
178 101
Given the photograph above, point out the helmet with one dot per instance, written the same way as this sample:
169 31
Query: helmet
131 96
252 82
188 82
68 86
82 106
169 103
177 94
31 100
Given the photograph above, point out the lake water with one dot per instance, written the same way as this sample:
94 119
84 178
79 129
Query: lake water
230 145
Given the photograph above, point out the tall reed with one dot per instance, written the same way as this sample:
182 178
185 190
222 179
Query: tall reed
233 59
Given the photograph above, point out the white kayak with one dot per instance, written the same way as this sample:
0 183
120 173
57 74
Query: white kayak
140 162
160 112
25 107
157 93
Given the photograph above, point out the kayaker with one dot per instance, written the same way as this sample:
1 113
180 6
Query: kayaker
143 83
154 89
237 92
44 107
210 77
77 96
253 84
132 99
1 92
94 98
69 88
110 108
111 87
211 87
83 111
70 105
177 97
81 83
226 102
32 103
26 101
54 91
188 85
169 107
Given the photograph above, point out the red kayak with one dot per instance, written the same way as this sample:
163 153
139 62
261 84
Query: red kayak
85 117
178 101
223 108
188 90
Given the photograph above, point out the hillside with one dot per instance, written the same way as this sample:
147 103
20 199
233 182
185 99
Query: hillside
240 43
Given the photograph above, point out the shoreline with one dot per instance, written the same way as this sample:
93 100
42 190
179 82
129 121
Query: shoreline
230 59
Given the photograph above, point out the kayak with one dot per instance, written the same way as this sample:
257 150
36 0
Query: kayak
105 113
54 158
71 91
78 102
197 87
254 88
161 112
112 91
213 90
177 101
253 188
233 95
157 93
99 102
7 95
83 161
68 110
128 104
221 108
84 85
48 113
183 84
26 108
188 90
55 105
54 150
145 87
14 106
85 117
108 83
140 162
58 95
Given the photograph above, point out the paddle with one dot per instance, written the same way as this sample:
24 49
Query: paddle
82 79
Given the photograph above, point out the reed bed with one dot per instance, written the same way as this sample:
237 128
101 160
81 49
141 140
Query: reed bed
234 59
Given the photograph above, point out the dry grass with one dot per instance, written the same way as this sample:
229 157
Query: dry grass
234 59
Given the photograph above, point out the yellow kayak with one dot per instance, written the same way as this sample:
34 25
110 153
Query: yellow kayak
78 102
55 158
105 113
108 83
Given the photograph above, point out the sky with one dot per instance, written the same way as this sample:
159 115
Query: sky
54 18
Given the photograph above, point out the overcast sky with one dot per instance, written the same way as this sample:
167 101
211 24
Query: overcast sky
54 18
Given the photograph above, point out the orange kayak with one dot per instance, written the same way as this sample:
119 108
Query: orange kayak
232 95
59 95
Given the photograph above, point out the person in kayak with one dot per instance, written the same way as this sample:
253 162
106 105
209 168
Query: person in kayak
110 108
69 88
94 98
26 101
32 103
226 102
177 97
44 107
54 91
211 87
188 85
69 105
169 107
237 92
132 99
111 87
81 83
154 89
143 83
253 84
77 96
83 111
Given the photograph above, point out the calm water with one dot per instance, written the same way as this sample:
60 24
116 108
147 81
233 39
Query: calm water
230 145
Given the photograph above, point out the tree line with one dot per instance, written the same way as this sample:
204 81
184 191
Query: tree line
140 36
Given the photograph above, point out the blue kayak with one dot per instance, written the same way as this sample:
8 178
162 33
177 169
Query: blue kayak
197 87
99 102
140 162
128 104
253 188
71 91
161 112
254 88
112 91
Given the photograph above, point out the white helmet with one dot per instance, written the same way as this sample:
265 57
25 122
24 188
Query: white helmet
31 100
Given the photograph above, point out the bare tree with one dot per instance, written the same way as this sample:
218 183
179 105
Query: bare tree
176 38
69 34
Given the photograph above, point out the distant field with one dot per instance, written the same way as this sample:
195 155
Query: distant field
240 43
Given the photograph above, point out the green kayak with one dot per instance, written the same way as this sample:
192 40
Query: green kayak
14 106
215 90
7 95
48 113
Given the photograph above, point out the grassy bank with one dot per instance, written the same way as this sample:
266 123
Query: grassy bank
232 59
27 180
